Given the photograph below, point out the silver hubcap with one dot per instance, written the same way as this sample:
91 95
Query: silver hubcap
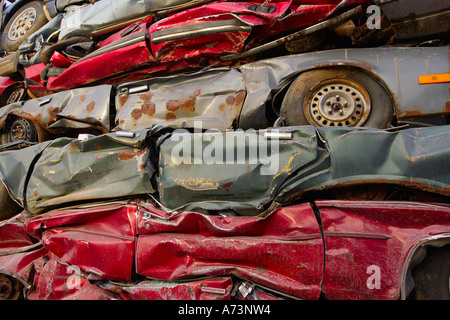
338 102
22 24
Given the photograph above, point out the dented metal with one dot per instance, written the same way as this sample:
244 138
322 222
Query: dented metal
240 171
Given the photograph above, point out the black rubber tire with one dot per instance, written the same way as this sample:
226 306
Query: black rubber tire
11 45
294 108
9 208
431 276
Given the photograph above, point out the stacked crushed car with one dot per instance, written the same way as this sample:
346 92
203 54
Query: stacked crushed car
225 150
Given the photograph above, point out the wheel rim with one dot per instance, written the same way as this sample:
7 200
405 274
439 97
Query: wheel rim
22 24
15 96
337 102
21 130
9 290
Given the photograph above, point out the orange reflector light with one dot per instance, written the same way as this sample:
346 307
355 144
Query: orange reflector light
434 78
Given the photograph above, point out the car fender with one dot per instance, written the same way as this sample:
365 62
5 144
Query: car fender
397 68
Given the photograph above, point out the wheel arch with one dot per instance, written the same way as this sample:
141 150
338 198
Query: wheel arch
281 90
415 256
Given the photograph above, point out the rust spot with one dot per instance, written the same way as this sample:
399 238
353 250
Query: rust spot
221 106
172 105
411 113
35 194
231 100
52 114
136 113
170 116
82 98
188 103
122 100
98 146
90 106
148 108
73 147
39 118
240 98
197 93
147 96
127 155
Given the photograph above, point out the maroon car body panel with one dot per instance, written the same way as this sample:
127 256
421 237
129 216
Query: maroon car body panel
189 255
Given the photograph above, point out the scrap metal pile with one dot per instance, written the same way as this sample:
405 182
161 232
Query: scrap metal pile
224 150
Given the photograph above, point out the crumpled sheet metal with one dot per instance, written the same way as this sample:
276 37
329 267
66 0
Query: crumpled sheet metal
417 158
20 254
98 239
282 251
359 234
215 97
393 66
68 170
65 170
83 20
356 234
117 240
81 108
189 182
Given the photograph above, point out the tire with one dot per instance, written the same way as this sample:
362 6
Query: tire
23 23
14 93
432 276
10 288
8 207
337 97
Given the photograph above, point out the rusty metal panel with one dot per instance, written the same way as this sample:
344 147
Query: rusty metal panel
69 170
215 97
86 107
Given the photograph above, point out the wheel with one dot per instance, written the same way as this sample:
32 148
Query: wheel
10 288
21 129
14 93
432 276
337 97
8 208
22 24
18 129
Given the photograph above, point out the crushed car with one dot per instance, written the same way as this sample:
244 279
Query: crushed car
193 35
260 169
376 87
167 214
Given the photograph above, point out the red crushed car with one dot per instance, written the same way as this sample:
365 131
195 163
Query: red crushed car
318 250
